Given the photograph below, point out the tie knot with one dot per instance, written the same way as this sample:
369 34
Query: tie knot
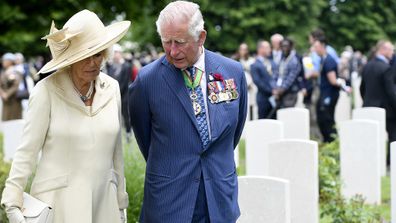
191 70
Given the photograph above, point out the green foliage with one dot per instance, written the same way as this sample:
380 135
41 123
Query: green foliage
23 23
134 174
4 169
241 169
232 22
333 204
359 23
228 22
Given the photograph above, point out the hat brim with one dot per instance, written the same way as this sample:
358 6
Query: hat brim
114 33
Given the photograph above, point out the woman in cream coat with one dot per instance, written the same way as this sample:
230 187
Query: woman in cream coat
74 120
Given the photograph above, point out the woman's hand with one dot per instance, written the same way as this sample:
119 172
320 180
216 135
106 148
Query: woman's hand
14 215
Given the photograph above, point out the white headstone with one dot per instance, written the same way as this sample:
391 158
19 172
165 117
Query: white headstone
360 159
263 199
357 97
297 161
236 156
258 134
12 135
343 108
300 100
376 114
393 181
296 122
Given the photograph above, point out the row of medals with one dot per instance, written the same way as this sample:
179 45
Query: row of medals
226 96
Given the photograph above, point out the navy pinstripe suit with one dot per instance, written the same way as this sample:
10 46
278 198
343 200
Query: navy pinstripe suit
165 127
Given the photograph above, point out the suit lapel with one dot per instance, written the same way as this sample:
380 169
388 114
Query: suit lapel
174 79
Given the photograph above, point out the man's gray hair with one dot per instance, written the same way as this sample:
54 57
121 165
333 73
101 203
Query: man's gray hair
184 11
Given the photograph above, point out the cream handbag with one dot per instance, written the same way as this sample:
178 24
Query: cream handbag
36 211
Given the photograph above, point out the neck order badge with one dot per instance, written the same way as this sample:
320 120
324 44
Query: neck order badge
192 83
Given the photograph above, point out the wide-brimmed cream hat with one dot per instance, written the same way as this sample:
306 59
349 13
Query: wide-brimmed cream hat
82 36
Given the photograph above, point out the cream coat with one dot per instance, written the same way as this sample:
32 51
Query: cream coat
80 173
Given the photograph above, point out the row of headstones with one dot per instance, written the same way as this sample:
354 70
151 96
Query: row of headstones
281 173
363 149
270 199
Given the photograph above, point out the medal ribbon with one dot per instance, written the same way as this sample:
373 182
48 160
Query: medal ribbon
192 83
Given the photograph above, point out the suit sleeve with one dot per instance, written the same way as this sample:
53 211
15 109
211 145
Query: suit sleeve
118 160
262 81
140 115
242 108
34 135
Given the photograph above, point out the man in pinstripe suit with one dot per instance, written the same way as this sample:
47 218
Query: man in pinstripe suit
188 110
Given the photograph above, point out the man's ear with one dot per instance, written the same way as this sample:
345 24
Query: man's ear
202 38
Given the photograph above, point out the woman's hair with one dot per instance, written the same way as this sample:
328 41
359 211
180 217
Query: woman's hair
184 11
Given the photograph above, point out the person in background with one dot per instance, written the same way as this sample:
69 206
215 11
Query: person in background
286 86
243 56
276 40
10 80
27 82
378 86
74 120
262 71
120 70
329 88
188 109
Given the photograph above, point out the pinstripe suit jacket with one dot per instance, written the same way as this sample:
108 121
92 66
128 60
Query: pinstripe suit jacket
166 131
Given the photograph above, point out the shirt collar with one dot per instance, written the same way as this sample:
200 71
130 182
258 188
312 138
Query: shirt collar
200 64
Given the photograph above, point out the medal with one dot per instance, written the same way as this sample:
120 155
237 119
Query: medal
193 84
193 96
213 98
197 108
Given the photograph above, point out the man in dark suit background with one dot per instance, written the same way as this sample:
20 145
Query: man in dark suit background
378 86
188 110
262 71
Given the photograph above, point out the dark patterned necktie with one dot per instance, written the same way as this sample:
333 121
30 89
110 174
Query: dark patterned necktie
201 117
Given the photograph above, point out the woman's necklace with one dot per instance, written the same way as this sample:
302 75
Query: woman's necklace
86 97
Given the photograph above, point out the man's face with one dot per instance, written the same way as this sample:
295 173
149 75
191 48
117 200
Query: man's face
264 49
389 50
181 49
267 49
285 47
319 48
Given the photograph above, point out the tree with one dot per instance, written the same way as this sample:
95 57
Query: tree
359 23
23 23
232 22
